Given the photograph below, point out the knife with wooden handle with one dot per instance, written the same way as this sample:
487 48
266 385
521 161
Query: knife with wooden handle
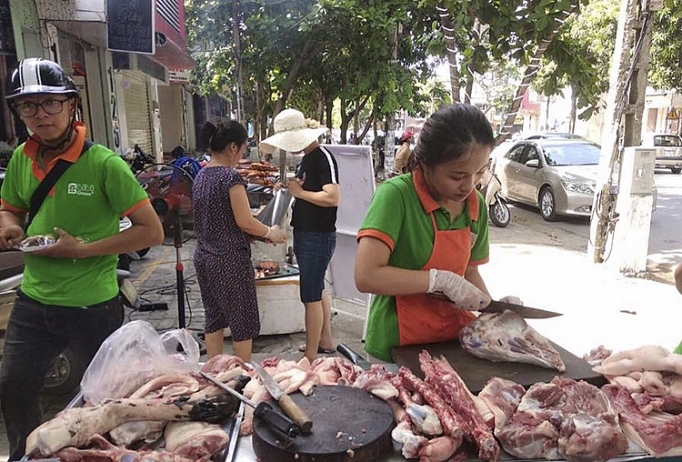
279 423
285 401
498 307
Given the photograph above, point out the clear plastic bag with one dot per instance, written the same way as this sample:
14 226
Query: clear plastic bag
134 354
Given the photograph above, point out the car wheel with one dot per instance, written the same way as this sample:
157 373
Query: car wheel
676 170
547 204
499 214
64 374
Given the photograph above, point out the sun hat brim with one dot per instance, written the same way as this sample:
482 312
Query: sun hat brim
292 140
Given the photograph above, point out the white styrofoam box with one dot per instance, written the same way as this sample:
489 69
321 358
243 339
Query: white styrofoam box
279 303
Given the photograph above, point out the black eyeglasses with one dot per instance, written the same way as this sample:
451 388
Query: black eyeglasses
50 106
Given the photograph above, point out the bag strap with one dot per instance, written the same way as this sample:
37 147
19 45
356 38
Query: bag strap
48 183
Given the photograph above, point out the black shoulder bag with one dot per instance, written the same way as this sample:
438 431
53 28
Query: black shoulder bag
48 182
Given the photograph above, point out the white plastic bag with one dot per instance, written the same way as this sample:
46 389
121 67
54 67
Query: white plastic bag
134 354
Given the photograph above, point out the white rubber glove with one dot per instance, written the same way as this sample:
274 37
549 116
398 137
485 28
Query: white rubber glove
275 235
512 299
461 292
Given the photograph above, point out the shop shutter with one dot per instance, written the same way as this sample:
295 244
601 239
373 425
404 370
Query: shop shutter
138 115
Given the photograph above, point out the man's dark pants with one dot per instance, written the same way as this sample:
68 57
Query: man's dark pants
35 335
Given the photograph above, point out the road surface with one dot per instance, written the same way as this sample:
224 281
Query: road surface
572 233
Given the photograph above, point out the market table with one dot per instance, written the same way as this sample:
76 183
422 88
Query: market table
245 453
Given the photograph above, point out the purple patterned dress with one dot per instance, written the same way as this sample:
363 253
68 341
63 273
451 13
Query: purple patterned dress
222 258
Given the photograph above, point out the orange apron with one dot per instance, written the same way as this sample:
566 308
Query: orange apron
422 319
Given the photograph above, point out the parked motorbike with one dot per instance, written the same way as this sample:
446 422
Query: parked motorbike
497 208
137 159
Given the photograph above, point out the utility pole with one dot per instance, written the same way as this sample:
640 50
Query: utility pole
622 119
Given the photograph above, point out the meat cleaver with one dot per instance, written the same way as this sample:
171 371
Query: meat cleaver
498 307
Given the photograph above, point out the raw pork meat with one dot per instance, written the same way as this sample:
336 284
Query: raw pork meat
197 441
502 397
563 419
645 358
101 450
451 422
75 426
597 355
131 432
659 433
440 375
507 337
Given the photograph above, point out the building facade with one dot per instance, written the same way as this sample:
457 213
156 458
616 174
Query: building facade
131 95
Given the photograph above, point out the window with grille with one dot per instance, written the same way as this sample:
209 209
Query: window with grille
168 9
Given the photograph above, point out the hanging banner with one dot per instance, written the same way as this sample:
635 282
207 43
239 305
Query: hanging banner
130 26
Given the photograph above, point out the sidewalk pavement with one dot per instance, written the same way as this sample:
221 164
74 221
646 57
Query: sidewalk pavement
599 306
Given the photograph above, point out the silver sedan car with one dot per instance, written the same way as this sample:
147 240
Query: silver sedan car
557 176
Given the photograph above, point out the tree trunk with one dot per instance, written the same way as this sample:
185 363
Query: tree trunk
329 106
451 51
468 89
574 110
531 71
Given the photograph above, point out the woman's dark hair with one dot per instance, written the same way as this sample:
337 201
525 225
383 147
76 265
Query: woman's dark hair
449 133
217 137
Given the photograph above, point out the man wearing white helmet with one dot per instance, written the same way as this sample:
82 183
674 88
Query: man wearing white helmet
69 293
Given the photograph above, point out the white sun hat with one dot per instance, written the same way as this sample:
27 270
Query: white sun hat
293 132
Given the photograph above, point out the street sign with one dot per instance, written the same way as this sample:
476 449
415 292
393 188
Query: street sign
130 26
178 75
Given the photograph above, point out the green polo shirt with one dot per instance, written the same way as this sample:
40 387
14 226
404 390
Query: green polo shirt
399 216
86 202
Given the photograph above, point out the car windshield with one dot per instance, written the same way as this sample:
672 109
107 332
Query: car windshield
558 155
661 140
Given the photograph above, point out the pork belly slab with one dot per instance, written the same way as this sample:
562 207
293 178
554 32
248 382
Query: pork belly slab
197 441
563 419
659 433
507 337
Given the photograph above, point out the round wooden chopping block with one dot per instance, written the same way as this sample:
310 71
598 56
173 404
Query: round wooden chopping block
349 425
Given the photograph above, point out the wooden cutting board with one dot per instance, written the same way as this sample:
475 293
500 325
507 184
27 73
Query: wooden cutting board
476 371
349 425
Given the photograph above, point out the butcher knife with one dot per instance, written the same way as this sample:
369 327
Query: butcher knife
279 423
287 404
353 356
361 362
499 307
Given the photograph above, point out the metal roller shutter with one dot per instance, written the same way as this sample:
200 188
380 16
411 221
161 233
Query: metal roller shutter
138 115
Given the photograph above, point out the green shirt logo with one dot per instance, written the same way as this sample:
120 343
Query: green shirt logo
81 189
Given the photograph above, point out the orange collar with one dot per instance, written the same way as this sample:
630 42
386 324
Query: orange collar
72 152
429 203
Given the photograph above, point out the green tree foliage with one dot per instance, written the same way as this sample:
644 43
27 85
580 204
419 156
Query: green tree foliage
480 32
580 57
665 68
370 56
